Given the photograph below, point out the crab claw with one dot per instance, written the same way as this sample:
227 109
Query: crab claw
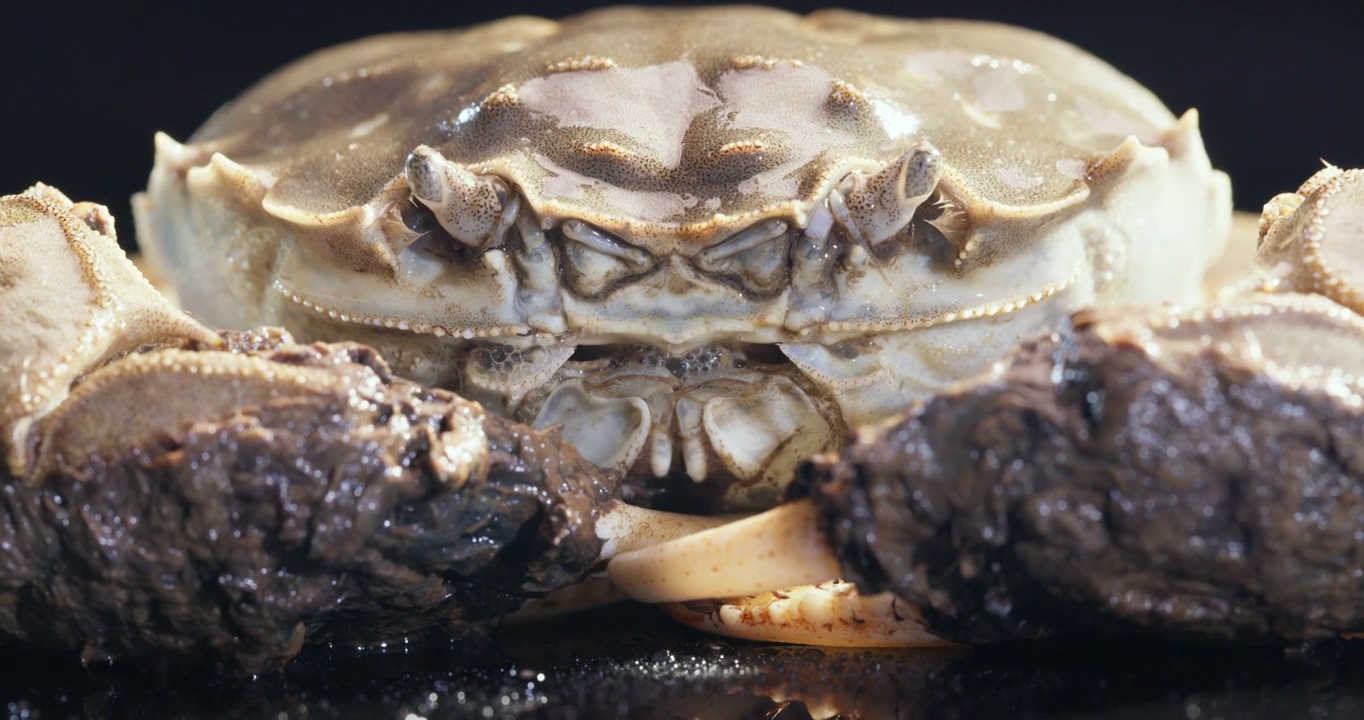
467 206
878 207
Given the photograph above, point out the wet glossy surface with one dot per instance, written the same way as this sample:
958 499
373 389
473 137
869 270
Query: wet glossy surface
642 667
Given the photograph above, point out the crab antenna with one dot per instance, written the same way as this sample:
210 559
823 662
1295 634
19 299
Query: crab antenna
466 205
778 548
882 205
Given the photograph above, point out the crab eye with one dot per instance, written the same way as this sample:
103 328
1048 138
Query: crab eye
755 260
596 263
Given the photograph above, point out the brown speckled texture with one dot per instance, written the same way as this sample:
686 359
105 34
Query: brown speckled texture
685 103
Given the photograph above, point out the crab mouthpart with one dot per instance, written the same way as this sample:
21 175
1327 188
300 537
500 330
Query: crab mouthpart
716 426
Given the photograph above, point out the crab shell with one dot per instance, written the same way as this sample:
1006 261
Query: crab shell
891 204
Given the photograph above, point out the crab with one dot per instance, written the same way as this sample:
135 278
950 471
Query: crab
614 225
699 246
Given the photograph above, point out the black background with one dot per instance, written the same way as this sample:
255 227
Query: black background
84 86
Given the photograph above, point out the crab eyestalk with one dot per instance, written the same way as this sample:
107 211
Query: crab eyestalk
877 208
469 207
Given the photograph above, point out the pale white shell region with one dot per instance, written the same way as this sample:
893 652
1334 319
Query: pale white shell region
892 203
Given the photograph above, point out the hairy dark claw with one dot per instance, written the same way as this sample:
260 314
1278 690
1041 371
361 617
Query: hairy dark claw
341 512
1130 474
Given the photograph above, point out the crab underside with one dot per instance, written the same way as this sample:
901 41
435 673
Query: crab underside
960 281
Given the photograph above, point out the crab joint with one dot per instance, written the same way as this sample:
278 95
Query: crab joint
778 548
1309 240
467 206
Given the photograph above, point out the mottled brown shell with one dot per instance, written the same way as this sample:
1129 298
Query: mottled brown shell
687 120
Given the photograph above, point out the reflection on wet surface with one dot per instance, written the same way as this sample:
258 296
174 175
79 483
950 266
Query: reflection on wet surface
629 662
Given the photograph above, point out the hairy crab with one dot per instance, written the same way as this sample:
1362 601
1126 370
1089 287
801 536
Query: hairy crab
699 246
705 242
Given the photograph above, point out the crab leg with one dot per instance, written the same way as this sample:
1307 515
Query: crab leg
774 549
832 613
721 581
71 300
